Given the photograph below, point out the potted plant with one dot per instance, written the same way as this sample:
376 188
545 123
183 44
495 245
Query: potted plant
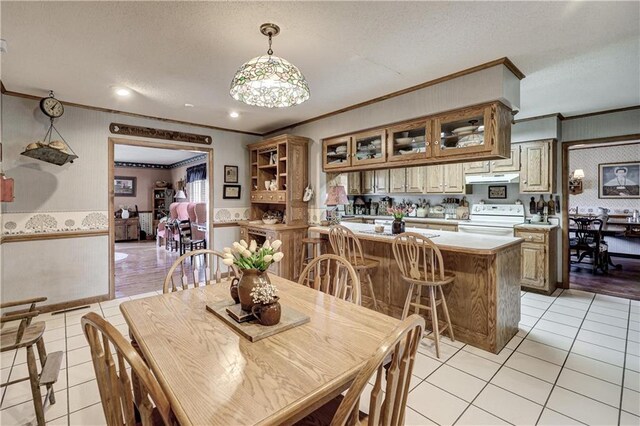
398 212
266 307
253 262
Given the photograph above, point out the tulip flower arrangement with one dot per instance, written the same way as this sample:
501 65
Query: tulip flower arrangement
250 256
399 212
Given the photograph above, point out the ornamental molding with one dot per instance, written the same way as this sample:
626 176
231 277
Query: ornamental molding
135 165
150 132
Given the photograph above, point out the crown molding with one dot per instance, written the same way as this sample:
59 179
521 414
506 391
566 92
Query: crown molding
606 111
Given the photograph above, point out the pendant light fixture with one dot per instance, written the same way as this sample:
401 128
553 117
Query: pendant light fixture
269 81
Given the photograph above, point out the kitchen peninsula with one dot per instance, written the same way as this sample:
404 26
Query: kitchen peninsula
483 301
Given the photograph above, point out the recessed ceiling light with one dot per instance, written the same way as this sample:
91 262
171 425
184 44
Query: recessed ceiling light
234 114
188 105
123 91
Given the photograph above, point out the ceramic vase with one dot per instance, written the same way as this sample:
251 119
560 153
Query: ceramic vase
250 278
233 290
397 226
267 313
125 213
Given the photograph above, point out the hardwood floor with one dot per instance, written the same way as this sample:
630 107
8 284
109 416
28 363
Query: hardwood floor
623 282
144 268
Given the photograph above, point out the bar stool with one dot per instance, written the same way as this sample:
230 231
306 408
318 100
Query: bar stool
317 248
345 243
420 263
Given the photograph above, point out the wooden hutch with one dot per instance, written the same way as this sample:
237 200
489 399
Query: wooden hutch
279 175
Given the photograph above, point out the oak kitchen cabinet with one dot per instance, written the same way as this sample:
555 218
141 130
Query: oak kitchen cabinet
538 264
445 179
480 132
409 180
538 167
473 132
354 185
511 164
375 182
409 141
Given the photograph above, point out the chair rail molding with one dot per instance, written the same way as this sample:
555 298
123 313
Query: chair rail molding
39 223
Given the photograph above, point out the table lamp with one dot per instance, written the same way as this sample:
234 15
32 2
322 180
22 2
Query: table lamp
336 196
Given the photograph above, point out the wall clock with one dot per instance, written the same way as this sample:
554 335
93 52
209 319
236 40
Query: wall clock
51 107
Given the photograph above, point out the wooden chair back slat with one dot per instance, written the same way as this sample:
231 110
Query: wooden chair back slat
346 244
418 258
116 389
332 274
388 407
197 270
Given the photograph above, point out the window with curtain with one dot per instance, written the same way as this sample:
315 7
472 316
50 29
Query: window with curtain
197 184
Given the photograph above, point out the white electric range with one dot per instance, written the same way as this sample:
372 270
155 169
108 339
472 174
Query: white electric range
493 219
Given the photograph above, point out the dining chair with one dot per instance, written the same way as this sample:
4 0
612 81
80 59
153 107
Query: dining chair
333 275
390 367
420 263
123 397
346 244
26 335
207 262
587 242
186 240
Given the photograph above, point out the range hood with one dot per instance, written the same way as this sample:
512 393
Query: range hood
492 178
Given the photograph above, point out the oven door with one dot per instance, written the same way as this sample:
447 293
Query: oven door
486 230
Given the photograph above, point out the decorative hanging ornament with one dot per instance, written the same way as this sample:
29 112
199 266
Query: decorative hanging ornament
57 151
269 81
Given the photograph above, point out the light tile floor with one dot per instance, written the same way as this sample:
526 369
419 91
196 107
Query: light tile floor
575 360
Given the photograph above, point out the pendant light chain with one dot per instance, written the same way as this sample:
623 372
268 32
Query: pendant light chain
270 51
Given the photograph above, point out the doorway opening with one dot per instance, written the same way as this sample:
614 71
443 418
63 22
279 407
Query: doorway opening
602 233
160 204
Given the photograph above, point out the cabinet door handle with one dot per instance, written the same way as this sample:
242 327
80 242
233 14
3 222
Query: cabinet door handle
426 144
524 181
531 237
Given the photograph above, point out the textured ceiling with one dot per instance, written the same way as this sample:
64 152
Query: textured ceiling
578 56
140 154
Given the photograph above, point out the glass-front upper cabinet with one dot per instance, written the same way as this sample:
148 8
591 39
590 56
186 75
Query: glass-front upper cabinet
462 132
409 141
369 147
337 152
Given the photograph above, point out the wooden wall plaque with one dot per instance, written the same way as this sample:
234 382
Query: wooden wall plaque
150 132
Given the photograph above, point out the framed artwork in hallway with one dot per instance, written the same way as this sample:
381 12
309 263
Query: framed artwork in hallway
124 186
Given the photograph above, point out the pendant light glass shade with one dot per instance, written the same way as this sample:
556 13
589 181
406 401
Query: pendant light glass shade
269 81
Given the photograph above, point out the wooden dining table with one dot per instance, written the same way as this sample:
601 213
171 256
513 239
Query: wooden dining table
214 376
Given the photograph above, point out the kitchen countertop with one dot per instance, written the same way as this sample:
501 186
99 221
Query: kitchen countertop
410 219
276 227
445 240
536 226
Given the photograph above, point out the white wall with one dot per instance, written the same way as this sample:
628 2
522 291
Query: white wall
74 192
601 126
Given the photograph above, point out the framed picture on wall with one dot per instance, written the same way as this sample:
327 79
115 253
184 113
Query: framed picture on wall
231 192
124 186
498 191
619 180
230 174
